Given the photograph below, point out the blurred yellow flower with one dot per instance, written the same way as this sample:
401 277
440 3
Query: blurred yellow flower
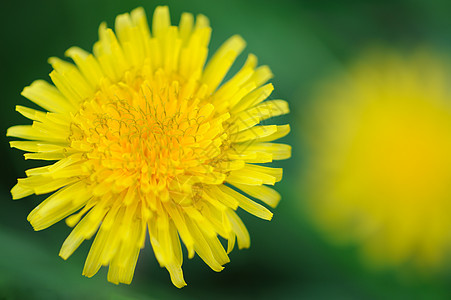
147 139
381 165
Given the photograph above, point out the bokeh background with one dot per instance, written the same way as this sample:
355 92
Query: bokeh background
302 42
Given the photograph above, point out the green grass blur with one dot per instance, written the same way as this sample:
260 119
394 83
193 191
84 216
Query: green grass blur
302 41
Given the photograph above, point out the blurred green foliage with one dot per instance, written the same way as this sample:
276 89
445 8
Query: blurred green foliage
301 41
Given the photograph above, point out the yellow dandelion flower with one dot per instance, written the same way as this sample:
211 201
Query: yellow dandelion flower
382 164
147 139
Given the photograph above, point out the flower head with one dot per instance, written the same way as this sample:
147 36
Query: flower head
147 140
382 144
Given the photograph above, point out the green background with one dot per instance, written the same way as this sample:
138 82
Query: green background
302 42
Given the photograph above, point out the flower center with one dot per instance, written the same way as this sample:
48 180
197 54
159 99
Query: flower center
404 150
155 132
